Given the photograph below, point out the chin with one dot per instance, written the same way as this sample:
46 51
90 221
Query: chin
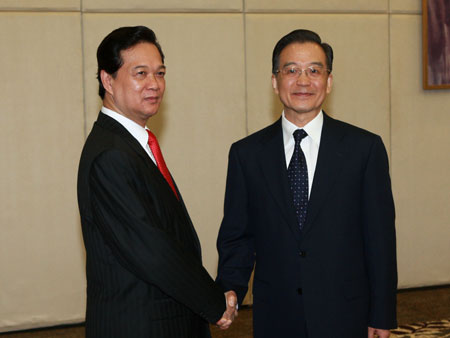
151 110
303 110
150 114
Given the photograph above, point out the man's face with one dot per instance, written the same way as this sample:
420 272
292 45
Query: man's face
302 96
138 88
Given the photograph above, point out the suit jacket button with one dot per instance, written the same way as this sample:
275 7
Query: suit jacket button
300 291
302 253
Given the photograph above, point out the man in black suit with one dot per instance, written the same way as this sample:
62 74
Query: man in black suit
144 272
309 203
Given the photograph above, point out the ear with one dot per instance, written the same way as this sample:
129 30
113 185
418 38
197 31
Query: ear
329 83
274 84
107 81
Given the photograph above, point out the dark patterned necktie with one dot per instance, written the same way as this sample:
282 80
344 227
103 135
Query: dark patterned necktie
298 178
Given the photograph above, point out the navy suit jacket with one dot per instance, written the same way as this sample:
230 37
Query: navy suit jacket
144 272
338 275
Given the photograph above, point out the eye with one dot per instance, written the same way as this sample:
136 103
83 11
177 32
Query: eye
160 74
290 71
141 73
315 71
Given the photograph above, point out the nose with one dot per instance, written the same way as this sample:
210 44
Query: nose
303 79
152 82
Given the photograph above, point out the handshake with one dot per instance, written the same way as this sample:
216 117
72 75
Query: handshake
230 313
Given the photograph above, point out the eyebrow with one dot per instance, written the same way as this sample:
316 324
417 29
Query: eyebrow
316 63
143 66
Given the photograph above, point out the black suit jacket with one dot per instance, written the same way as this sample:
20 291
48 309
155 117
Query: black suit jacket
144 272
338 275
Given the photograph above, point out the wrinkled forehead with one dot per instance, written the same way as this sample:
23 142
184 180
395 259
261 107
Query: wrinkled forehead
141 53
304 53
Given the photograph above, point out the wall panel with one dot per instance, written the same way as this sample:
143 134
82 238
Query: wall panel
406 6
162 5
33 5
41 256
420 161
317 6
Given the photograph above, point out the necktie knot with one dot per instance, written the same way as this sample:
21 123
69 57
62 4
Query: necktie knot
152 141
299 135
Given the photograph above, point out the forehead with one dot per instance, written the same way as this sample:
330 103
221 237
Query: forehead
143 53
302 53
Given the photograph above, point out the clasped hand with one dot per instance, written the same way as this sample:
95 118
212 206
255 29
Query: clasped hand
230 313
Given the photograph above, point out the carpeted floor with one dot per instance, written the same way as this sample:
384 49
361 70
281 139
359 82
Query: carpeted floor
423 313
431 329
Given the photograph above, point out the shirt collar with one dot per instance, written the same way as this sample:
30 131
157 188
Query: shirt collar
139 133
313 128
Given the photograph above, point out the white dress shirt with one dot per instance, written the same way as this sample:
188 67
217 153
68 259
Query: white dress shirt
139 133
310 144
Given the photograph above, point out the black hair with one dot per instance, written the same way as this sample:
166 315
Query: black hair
300 36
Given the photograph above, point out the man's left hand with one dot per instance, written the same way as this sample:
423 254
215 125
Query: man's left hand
231 311
378 333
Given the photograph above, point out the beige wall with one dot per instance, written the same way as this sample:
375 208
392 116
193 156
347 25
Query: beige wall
218 90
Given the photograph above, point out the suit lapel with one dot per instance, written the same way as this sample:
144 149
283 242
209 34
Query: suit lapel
112 125
329 163
273 164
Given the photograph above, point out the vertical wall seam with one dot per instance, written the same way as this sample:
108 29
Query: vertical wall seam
244 19
83 70
390 84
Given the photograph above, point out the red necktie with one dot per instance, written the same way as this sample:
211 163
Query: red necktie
160 163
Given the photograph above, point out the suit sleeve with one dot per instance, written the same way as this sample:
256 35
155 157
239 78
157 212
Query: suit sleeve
379 237
235 242
129 223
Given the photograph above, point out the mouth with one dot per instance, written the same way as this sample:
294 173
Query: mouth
302 95
151 99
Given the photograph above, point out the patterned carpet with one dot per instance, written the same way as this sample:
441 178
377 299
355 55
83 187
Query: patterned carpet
419 306
430 329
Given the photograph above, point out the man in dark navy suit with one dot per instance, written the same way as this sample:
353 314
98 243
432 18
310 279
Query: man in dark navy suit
309 204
